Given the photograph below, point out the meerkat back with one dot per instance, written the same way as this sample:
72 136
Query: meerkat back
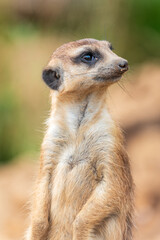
84 188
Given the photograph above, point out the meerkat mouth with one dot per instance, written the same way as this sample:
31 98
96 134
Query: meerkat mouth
110 78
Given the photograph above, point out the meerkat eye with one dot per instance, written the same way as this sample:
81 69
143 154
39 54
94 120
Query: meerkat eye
89 58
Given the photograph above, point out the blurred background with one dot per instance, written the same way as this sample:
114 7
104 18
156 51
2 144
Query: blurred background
30 30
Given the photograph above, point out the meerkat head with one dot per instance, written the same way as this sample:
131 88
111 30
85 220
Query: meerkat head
82 65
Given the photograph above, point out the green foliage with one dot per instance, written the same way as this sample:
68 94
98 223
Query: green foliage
129 24
10 143
144 30
15 136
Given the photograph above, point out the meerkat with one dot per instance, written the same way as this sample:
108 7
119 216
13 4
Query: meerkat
84 188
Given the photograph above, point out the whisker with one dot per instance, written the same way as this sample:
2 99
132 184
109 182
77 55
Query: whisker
125 90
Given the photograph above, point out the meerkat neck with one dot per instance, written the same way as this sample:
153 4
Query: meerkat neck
78 111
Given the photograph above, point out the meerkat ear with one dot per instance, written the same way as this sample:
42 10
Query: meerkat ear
52 78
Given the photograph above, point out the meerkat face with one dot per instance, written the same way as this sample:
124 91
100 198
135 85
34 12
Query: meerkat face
84 64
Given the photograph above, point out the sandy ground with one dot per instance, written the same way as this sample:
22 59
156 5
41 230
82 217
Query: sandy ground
137 109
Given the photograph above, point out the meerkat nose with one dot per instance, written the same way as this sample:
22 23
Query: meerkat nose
123 65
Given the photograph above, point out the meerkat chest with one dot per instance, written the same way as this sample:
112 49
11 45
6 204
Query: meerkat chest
81 155
72 144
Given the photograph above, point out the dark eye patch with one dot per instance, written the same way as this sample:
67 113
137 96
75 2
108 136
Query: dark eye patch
89 57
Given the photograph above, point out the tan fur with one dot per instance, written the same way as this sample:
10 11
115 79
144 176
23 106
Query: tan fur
84 189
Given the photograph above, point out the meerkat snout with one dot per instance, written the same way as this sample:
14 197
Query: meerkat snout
123 65
119 66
